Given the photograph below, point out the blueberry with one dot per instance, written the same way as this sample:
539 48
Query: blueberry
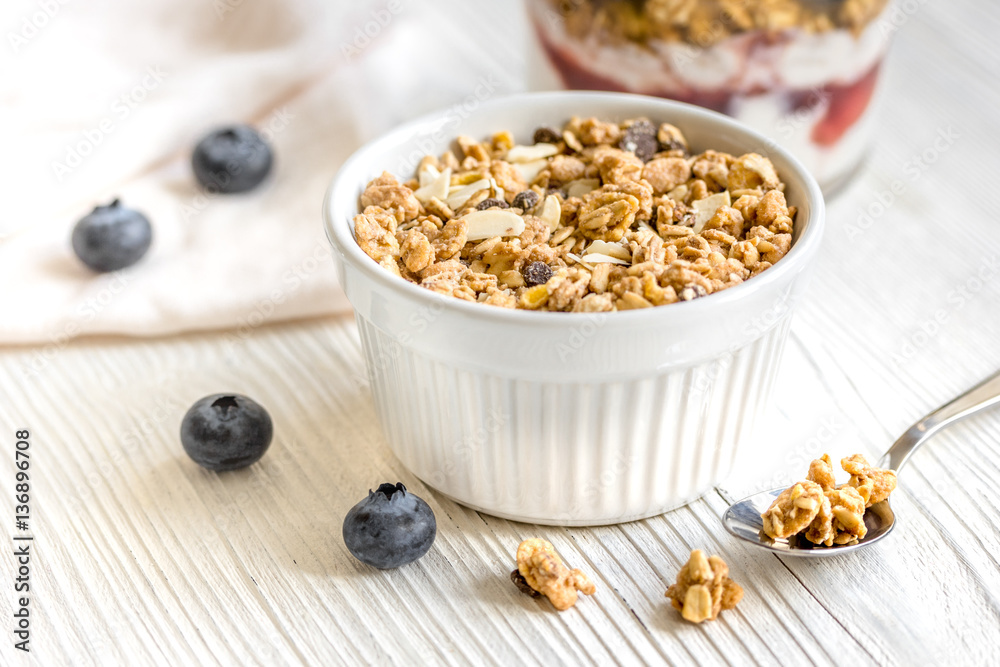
231 159
389 528
111 237
226 432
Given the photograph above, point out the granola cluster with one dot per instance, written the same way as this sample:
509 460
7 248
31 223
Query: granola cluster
823 512
597 216
704 588
540 569
707 22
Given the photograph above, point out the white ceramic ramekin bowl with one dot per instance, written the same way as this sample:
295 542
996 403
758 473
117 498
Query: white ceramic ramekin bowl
568 418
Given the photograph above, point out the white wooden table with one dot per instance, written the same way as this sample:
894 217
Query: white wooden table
140 557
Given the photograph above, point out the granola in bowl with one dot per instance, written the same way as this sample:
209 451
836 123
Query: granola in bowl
594 216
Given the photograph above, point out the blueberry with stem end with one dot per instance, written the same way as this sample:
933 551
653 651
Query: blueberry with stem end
111 237
226 432
389 528
231 159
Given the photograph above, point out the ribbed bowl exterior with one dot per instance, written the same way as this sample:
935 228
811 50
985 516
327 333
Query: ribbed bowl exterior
569 453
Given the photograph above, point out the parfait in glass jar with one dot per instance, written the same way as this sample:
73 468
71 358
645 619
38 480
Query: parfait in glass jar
802 72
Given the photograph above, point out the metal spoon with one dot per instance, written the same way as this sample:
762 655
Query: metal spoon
743 520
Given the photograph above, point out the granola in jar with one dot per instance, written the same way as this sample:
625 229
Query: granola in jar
801 71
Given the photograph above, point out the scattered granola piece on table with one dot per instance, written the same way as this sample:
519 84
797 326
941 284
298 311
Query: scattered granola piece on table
543 571
703 588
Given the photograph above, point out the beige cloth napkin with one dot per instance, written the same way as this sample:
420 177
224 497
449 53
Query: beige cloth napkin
106 98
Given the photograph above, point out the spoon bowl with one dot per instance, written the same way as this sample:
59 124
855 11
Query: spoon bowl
743 519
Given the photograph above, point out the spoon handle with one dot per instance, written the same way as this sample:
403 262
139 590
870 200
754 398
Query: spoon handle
980 397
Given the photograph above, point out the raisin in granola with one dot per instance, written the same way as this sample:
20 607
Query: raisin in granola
640 138
537 273
491 203
526 200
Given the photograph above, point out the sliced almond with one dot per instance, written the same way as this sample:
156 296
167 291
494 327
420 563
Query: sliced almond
497 191
551 212
531 153
600 258
582 186
560 235
428 173
486 245
436 188
615 250
529 170
705 208
678 193
512 278
458 196
493 222
572 142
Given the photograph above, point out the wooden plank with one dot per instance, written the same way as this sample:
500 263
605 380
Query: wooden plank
262 548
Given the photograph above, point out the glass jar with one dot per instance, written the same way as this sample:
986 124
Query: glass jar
802 72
